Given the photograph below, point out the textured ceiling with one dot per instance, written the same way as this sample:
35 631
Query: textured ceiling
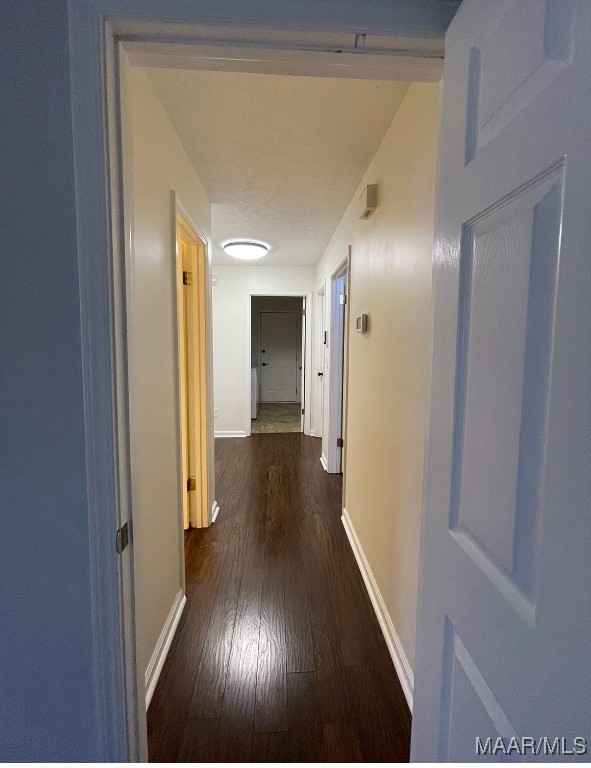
279 156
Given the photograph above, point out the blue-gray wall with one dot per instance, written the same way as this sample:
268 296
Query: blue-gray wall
46 691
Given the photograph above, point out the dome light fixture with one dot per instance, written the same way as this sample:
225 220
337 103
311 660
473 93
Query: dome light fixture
246 249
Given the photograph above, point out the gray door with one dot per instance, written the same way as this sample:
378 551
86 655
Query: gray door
280 340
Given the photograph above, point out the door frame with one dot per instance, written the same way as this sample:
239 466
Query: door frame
208 507
320 327
300 384
96 31
306 359
338 339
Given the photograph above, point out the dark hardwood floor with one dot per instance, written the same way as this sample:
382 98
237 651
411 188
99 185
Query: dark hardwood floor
278 655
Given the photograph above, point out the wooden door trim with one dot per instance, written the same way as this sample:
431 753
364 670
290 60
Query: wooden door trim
203 322
182 379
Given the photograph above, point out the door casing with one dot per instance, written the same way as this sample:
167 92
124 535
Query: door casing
318 374
97 30
194 374
337 354
307 357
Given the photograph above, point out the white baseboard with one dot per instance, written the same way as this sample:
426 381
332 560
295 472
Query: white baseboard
230 433
215 508
163 645
312 433
401 663
323 462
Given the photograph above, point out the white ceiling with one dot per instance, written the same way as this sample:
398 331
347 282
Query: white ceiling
279 156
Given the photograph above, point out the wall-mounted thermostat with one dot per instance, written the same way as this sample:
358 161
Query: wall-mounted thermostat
362 323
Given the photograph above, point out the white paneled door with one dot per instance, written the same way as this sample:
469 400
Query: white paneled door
279 355
504 625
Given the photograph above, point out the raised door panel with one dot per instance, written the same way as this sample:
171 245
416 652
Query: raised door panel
507 282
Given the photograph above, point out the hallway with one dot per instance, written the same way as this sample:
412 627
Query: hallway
278 655
277 417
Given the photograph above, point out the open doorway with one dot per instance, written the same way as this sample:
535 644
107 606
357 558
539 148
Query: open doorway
243 295
321 345
242 402
337 353
192 329
277 364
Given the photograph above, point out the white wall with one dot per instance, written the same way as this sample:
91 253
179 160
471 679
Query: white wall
153 352
231 331
389 367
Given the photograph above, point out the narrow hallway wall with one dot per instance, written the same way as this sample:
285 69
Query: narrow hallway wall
389 366
159 165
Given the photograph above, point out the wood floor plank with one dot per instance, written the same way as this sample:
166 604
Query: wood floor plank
271 688
328 659
378 703
298 631
199 741
170 703
271 747
360 634
305 720
237 715
210 683
278 656
341 743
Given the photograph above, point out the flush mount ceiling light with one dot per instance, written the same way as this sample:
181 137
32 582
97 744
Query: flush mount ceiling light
246 249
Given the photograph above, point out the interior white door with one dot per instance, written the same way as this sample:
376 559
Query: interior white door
336 368
504 624
342 336
280 343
